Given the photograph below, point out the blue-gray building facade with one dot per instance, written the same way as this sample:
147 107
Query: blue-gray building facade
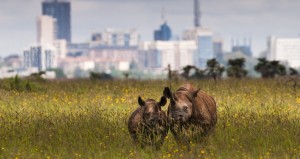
205 50
164 34
61 11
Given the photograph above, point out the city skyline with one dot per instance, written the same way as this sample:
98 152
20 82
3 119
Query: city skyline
256 19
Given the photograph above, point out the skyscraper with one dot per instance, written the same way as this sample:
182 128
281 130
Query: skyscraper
61 11
46 29
164 34
204 40
286 50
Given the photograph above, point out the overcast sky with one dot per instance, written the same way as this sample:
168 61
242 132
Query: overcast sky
227 18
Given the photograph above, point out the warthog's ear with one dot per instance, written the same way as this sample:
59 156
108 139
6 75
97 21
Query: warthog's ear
194 93
141 102
167 92
163 101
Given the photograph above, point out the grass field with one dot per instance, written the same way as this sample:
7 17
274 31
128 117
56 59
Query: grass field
88 119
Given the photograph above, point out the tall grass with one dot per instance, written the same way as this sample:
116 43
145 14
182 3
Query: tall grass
88 119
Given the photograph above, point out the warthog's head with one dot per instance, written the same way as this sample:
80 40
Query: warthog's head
181 104
152 112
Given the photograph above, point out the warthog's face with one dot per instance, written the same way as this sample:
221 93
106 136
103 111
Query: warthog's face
181 105
152 113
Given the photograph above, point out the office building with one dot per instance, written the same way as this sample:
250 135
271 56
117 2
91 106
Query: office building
218 48
286 50
61 11
244 47
40 56
164 33
204 40
46 29
116 38
157 55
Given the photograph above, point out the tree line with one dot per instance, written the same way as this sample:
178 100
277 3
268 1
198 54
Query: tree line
235 69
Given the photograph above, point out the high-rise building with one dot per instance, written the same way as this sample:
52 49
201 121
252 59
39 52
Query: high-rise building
46 29
164 34
286 50
218 48
61 11
204 40
117 37
244 48
40 56
157 55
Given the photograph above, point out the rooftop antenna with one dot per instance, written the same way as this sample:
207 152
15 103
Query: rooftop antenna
163 10
250 42
245 41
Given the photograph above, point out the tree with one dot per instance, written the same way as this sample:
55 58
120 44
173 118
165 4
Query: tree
269 69
58 72
236 68
186 71
293 72
100 76
172 74
214 69
263 67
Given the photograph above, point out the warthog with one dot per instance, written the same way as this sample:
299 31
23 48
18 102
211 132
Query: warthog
192 114
148 125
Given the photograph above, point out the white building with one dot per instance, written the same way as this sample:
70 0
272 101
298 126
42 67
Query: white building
204 41
46 29
286 50
116 37
157 55
61 49
41 56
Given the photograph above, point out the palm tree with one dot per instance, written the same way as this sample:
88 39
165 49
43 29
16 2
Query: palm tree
236 68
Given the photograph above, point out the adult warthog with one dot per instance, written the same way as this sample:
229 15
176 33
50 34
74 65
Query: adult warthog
192 114
148 125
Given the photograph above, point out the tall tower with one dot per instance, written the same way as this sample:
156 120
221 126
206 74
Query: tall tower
61 11
197 13
165 32
46 29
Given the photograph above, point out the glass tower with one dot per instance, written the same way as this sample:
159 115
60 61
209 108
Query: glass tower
61 11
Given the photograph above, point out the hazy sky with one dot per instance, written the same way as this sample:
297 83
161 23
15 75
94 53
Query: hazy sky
228 19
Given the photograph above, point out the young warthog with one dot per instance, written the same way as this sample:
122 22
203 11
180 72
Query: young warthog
192 113
147 125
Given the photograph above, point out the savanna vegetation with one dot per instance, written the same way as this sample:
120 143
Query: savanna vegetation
257 118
